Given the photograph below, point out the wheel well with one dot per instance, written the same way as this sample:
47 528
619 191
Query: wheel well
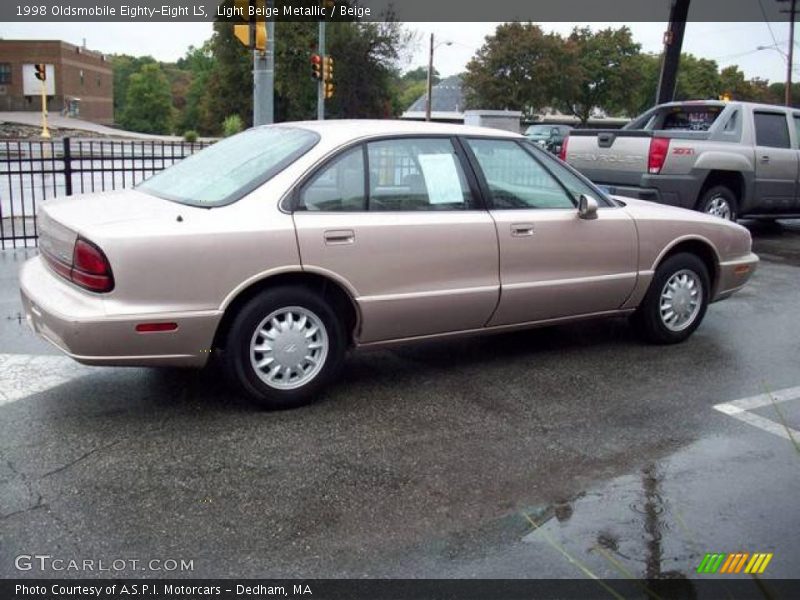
732 180
343 304
700 249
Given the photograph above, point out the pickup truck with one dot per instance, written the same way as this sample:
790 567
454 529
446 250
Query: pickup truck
729 159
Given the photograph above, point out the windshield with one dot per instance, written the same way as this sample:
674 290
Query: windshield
538 131
231 168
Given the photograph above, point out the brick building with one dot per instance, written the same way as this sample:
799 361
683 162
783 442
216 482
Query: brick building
78 74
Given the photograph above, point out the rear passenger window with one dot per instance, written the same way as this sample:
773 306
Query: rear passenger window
797 127
771 130
338 187
416 174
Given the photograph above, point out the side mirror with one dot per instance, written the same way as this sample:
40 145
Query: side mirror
587 207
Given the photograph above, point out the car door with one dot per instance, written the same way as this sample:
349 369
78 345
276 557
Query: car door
776 162
553 264
398 221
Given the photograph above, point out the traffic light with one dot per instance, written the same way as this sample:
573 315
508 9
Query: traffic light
242 31
329 89
41 71
316 66
327 69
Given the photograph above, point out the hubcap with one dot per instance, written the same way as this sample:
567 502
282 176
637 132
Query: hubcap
681 299
289 347
720 207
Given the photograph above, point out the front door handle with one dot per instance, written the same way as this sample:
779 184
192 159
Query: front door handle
338 237
521 229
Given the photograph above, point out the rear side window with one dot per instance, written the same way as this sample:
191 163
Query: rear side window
771 130
408 174
339 186
797 126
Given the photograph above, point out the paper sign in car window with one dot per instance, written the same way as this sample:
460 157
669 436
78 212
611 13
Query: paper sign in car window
441 178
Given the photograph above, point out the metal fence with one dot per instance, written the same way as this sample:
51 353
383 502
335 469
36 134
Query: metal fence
32 172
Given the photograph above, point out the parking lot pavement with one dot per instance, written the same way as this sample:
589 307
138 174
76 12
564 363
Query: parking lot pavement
573 451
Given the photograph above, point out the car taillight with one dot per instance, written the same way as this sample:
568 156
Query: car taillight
562 154
659 147
90 267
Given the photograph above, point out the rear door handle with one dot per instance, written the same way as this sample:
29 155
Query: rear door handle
521 229
338 237
765 158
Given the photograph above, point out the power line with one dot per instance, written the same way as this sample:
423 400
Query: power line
766 20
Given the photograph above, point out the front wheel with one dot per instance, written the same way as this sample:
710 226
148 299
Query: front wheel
719 201
284 346
676 302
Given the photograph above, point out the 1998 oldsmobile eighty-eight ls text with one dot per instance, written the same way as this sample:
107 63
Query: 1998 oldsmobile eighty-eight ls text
286 245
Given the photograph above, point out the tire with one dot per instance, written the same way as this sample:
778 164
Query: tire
720 201
656 326
297 321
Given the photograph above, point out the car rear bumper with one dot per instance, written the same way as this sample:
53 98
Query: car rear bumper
77 323
733 275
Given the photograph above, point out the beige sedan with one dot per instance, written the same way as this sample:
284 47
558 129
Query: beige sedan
284 246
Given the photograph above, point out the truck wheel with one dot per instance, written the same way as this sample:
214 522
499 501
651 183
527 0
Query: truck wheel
676 301
283 347
719 201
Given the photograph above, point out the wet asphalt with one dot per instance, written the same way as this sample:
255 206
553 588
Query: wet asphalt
572 451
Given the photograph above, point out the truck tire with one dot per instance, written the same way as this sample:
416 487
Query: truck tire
719 201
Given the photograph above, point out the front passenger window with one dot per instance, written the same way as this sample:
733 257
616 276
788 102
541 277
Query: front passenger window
515 178
340 186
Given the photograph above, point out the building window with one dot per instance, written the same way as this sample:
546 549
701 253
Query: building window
98 80
5 73
81 76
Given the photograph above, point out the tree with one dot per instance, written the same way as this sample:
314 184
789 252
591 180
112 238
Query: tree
517 68
148 101
698 79
600 71
123 67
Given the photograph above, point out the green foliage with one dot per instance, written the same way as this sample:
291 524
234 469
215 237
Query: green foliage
518 68
148 101
123 67
599 70
232 125
190 136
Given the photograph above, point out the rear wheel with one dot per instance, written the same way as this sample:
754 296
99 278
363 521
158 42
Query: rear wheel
719 201
284 346
676 302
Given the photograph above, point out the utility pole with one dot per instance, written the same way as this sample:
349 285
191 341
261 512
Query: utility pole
790 55
321 82
428 95
673 42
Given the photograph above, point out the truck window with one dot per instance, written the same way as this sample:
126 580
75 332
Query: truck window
771 130
691 118
797 127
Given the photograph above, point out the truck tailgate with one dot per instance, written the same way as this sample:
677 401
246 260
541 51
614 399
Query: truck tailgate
609 156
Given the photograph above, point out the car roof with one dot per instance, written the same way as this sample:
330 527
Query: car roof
344 130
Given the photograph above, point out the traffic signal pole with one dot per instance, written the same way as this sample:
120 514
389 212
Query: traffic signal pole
321 82
264 77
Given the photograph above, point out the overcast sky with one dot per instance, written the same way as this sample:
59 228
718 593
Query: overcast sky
727 43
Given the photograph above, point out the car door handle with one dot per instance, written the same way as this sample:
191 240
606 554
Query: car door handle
765 158
521 229
336 237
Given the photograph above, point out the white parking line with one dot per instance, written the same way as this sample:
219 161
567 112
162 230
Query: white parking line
22 375
739 409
